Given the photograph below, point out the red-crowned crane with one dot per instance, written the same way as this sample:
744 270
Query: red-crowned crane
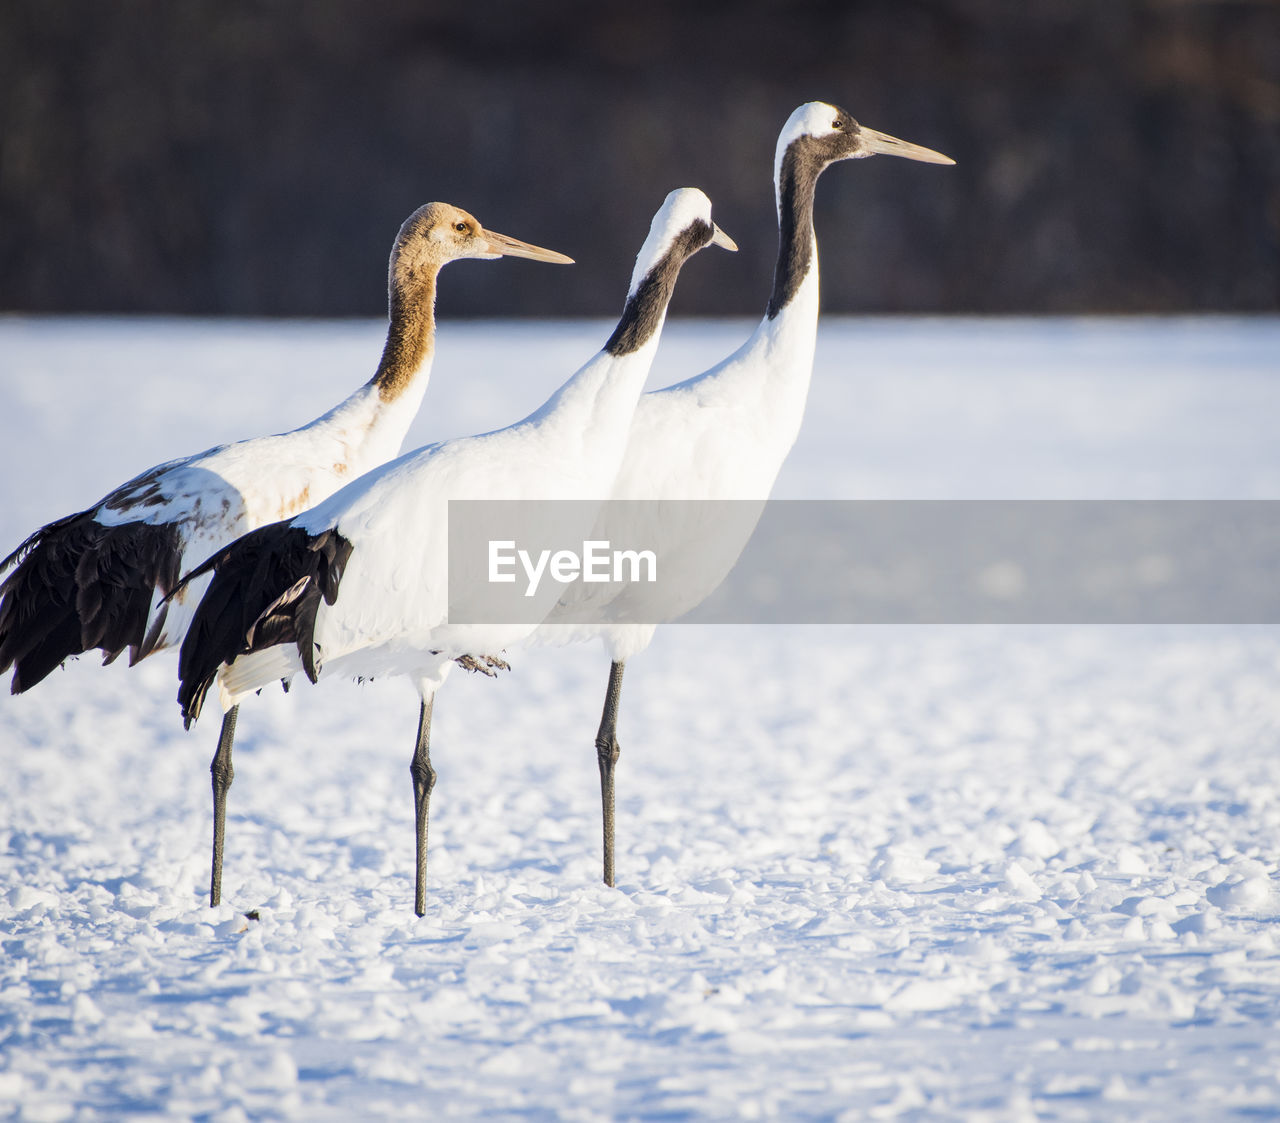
723 434
358 585
107 577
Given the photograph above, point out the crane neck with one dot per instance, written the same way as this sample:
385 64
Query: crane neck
646 306
798 172
608 385
411 335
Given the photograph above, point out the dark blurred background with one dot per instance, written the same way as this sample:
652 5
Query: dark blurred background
220 156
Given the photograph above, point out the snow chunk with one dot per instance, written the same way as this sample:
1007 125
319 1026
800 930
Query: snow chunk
1244 893
27 900
232 926
924 994
1035 841
1130 862
1018 881
84 1011
1198 923
902 865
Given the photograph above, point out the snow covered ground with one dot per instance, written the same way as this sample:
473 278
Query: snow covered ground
932 873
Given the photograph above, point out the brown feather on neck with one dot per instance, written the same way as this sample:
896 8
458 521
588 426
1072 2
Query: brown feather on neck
411 331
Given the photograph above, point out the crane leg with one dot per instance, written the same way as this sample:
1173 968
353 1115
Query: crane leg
424 779
607 756
223 774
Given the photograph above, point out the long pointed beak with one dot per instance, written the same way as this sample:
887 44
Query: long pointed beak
874 143
502 245
720 238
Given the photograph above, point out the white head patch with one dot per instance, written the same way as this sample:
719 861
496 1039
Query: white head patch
678 210
814 118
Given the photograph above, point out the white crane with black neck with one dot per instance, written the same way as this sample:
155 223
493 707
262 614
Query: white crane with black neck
358 585
107 577
724 434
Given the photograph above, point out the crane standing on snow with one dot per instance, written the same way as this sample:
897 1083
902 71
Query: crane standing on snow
359 584
107 577
724 434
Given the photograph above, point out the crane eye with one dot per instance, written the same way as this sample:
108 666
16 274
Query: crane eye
460 227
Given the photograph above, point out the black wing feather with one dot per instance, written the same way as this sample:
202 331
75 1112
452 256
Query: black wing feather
266 590
76 585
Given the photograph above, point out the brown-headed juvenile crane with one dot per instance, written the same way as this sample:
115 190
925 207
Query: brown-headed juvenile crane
106 577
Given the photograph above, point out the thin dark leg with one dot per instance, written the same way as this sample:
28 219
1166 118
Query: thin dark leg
607 756
424 779
223 774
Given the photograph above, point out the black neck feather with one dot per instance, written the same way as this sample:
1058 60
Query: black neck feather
802 163
644 308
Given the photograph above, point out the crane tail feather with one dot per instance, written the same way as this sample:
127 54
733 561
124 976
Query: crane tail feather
266 590
75 585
